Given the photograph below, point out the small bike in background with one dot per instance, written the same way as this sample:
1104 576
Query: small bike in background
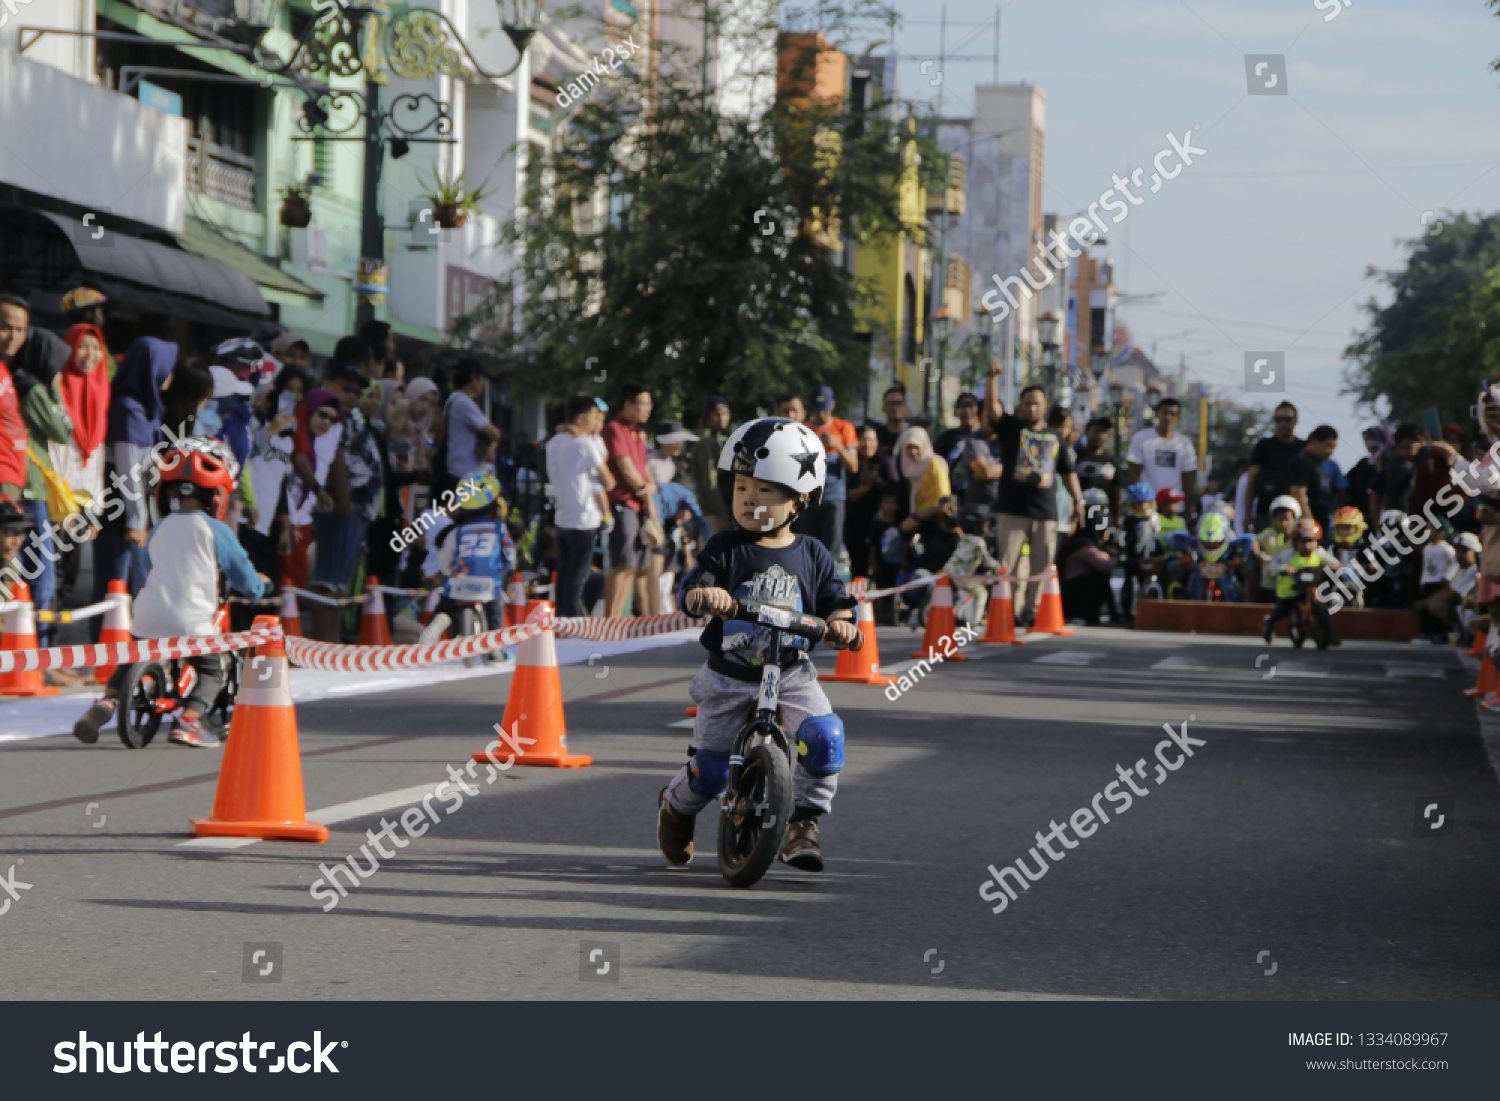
1304 621
152 690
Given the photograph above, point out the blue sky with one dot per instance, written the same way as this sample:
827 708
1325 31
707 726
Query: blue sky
1263 244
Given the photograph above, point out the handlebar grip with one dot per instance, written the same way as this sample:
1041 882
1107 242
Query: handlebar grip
859 641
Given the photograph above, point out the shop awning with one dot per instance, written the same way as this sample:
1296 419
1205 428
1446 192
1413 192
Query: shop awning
162 279
201 239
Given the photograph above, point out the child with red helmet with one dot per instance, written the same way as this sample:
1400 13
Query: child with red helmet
1169 505
190 550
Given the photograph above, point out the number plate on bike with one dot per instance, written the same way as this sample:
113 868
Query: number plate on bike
777 617
471 588
1212 569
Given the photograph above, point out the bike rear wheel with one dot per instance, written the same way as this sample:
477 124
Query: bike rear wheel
138 720
755 816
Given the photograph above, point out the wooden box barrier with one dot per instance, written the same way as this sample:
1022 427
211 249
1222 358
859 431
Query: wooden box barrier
1245 619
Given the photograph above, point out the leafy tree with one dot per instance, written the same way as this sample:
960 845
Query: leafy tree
664 240
1232 432
1436 343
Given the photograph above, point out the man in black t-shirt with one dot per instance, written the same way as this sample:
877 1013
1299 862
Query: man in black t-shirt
1391 488
1277 468
893 404
1096 463
1034 457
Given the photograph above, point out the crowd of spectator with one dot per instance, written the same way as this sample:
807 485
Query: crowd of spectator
345 469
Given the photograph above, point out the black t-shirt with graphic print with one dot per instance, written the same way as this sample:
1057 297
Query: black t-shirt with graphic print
1034 459
802 577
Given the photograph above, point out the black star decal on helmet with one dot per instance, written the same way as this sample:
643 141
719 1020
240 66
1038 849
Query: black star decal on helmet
807 463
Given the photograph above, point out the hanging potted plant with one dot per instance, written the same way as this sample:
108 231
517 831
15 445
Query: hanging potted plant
452 201
295 210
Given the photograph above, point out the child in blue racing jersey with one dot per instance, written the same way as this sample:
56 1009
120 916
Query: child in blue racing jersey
477 553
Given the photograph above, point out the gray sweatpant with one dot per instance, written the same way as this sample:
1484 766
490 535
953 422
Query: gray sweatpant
725 705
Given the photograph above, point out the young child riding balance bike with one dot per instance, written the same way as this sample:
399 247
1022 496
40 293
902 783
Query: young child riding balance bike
771 470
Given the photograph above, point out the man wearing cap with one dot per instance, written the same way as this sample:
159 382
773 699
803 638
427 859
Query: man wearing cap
291 350
703 463
825 523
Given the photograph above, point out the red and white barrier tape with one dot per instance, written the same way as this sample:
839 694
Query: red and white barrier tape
617 630
327 655
142 649
369 659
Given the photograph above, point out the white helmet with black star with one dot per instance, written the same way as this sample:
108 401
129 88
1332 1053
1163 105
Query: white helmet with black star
779 451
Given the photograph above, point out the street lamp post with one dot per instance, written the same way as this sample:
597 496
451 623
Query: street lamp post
416 44
942 327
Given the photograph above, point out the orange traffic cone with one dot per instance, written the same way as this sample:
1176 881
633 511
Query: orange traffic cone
373 629
1049 612
260 781
861 666
1000 624
20 634
115 628
515 601
940 623
291 618
1489 676
692 712
1477 650
534 708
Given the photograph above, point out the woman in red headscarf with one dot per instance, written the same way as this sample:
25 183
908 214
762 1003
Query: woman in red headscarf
82 387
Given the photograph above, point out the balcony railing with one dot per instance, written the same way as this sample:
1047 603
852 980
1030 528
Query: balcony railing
221 174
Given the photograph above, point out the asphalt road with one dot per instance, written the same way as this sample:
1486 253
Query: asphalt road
1285 843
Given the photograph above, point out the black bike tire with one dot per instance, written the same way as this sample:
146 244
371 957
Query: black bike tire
765 778
470 623
1295 629
221 711
135 735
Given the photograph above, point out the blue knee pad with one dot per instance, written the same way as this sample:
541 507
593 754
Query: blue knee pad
820 745
708 773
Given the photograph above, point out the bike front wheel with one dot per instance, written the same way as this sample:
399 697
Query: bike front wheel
1296 629
139 720
755 816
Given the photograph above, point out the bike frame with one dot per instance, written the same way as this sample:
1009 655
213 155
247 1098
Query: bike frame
764 723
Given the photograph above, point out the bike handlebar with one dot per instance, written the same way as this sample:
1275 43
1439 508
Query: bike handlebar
801 624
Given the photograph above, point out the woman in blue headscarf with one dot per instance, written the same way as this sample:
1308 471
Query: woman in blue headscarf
135 412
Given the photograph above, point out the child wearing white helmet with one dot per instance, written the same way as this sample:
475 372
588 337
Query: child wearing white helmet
771 470
1273 547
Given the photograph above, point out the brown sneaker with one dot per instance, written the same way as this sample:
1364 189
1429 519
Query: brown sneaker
674 832
86 729
800 849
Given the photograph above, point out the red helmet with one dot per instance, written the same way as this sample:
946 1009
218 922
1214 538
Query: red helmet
200 468
1169 495
1308 529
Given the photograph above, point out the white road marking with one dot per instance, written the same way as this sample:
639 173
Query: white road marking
328 816
1301 669
1068 657
1414 669
1178 661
